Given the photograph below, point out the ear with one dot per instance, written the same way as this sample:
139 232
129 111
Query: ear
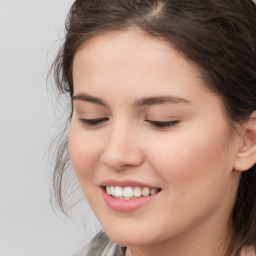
246 156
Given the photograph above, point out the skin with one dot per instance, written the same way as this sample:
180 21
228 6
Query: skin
192 162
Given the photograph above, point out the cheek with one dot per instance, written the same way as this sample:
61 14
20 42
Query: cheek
84 152
196 172
192 161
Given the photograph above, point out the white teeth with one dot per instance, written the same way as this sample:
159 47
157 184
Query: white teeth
137 192
145 192
153 191
128 193
108 190
112 190
118 191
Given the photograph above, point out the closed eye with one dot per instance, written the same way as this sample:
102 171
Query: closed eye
94 121
157 124
163 124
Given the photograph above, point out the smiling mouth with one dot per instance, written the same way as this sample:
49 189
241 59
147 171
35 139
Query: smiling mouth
130 193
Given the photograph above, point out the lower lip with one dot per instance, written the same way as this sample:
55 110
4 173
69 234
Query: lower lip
121 205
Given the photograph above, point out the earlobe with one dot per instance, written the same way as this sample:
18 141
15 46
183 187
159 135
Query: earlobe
246 156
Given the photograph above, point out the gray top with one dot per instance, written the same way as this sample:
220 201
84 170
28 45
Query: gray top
101 245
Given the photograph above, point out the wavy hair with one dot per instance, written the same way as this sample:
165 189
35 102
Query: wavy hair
219 36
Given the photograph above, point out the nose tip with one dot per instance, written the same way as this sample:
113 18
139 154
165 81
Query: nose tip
121 153
118 161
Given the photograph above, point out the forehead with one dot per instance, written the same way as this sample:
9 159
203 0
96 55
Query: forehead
126 43
130 57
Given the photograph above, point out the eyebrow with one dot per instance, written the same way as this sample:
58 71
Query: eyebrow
160 100
88 98
139 103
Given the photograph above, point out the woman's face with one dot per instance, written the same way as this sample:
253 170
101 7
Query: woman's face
144 122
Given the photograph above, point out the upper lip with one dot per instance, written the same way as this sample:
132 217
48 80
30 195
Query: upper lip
124 183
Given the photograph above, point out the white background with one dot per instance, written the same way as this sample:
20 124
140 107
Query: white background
30 34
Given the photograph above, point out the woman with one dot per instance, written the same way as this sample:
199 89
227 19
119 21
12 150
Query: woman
163 124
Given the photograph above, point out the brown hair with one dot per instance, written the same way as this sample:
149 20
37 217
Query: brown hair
219 36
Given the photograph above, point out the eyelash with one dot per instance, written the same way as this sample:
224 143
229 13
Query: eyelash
93 122
163 124
157 124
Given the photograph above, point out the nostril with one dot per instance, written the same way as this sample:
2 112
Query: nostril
122 159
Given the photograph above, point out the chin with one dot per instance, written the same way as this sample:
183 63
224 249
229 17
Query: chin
127 240
131 236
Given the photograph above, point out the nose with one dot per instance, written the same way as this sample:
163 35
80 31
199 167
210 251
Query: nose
122 150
